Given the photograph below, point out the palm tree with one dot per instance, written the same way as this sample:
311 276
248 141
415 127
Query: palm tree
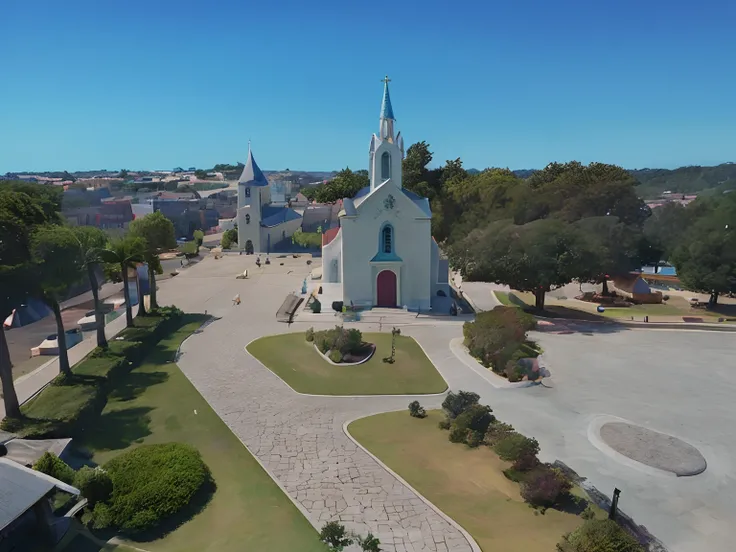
57 266
91 241
125 253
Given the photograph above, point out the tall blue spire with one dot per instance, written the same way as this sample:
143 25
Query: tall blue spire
387 112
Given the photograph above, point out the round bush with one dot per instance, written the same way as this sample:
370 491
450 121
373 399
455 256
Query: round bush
52 465
153 482
95 484
544 490
335 356
602 535
514 446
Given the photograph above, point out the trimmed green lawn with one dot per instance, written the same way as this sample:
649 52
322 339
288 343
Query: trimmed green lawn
466 484
295 360
156 403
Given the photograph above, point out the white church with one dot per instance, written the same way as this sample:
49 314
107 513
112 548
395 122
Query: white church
261 225
383 254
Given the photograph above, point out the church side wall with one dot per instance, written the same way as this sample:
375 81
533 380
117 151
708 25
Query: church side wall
278 233
248 231
330 255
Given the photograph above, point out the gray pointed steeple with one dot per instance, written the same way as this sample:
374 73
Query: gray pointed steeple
252 175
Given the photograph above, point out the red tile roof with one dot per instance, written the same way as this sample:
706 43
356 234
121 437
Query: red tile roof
330 235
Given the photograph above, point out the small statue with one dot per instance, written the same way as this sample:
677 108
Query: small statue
304 286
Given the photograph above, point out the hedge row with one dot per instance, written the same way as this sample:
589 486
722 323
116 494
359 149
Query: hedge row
68 404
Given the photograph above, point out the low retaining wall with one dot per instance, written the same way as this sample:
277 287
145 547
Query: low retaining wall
366 359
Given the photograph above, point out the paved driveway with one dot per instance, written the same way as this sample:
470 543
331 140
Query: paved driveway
673 382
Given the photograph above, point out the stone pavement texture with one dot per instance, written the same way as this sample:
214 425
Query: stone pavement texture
678 383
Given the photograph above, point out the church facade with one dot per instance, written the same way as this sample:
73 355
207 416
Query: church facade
383 254
261 225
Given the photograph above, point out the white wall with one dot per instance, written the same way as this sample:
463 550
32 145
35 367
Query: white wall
277 233
412 243
332 252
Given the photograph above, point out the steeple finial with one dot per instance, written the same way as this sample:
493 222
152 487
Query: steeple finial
387 111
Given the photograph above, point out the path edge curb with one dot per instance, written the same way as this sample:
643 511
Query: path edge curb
471 541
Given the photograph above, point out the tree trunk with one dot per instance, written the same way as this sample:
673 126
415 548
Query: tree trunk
126 294
539 299
152 284
64 367
141 298
12 408
99 317
605 292
713 300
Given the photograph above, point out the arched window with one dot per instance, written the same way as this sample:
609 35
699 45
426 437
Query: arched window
247 219
247 191
385 166
387 239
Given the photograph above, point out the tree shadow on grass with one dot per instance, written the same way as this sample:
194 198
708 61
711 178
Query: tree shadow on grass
136 383
571 504
118 429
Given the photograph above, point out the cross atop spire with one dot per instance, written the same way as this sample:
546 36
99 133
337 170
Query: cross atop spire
387 111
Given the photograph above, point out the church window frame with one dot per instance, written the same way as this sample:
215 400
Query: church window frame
247 191
247 218
385 165
387 241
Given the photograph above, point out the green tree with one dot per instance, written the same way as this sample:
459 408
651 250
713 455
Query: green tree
91 241
415 175
123 173
706 258
158 234
537 257
20 213
229 237
665 228
126 253
345 184
58 265
198 237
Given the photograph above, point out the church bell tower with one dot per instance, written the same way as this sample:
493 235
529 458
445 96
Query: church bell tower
386 151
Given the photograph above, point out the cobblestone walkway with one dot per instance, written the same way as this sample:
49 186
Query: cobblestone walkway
300 441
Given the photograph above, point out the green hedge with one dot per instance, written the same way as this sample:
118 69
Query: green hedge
67 405
599 535
149 484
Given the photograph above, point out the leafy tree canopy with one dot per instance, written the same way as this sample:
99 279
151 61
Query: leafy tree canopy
345 184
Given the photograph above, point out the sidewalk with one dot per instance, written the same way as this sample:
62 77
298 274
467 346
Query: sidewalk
28 385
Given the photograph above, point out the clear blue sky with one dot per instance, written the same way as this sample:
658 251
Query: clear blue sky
91 84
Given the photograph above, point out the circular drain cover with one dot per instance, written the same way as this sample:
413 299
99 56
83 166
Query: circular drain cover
653 449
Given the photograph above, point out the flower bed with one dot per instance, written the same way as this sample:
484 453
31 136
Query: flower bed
341 346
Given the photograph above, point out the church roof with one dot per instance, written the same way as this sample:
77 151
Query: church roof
387 112
273 216
252 175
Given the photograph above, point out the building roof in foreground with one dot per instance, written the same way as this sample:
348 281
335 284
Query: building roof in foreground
252 174
21 488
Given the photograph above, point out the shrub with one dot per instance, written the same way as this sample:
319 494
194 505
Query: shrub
444 424
497 431
494 336
334 535
525 462
473 423
369 543
514 446
101 516
316 306
545 488
309 335
150 483
52 465
601 535
416 410
335 356
95 484
458 434
588 513
457 403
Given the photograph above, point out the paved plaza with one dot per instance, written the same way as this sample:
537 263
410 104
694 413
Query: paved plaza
673 382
